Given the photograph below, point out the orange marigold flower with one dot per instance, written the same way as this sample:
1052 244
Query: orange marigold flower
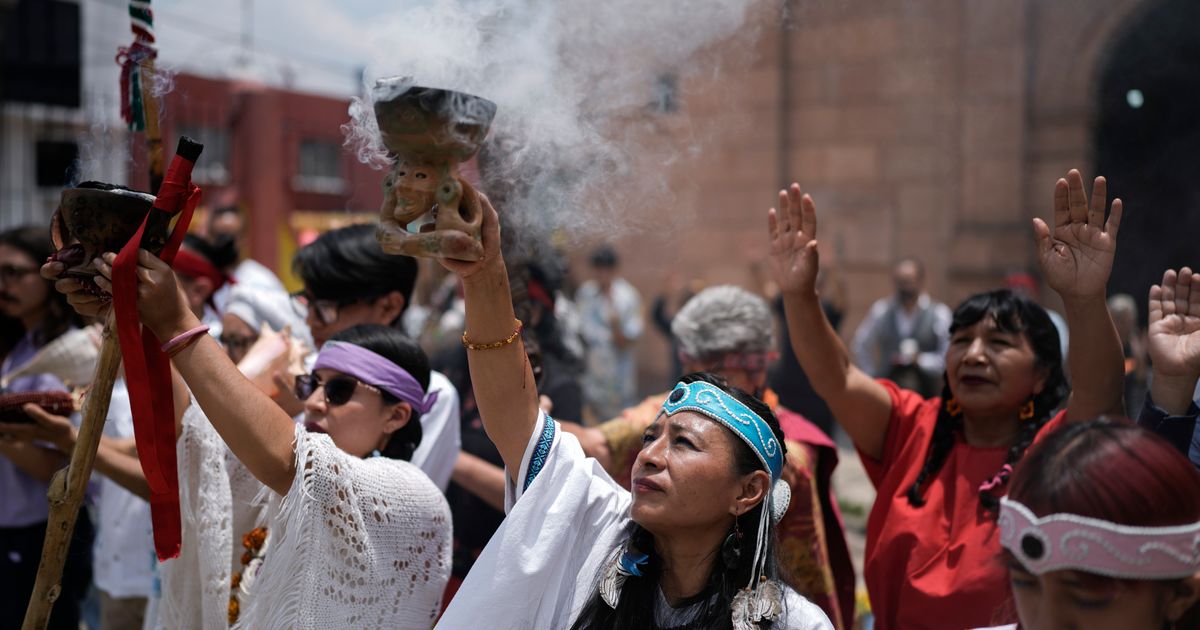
247 557
234 610
258 536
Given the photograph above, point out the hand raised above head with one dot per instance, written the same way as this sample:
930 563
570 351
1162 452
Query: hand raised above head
1076 256
792 228
1174 335
161 304
465 269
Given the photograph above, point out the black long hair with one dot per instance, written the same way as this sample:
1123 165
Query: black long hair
639 595
396 347
346 265
221 252
34 241
1013 313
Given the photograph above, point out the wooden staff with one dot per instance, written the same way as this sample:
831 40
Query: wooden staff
154 150
68 486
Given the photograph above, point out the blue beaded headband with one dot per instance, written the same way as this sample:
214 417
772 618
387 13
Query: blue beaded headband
710 400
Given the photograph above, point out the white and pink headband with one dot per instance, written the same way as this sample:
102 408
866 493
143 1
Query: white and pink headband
1069 541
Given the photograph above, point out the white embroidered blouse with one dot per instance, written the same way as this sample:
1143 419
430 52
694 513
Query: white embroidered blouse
353 544
565 519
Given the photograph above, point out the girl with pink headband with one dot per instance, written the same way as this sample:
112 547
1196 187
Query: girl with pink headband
1101 530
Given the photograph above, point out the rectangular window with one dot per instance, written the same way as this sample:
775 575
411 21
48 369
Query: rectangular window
320 168
41 56
213 165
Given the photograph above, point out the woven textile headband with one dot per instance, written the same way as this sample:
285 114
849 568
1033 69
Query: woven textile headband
1069 541
375 369
762 598
710 400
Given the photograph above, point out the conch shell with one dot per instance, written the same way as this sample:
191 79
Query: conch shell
72 357
273 352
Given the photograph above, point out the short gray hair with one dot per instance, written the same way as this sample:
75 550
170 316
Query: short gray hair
724 320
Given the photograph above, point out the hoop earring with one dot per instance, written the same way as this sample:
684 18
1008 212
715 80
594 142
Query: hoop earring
952 407
1027 411
731 549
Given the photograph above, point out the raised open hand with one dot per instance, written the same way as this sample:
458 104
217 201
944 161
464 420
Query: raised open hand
793 231
1077 255
1174 339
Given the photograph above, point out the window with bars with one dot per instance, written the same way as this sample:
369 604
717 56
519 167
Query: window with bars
320 167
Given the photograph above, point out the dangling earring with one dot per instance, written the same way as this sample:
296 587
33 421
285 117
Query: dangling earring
731 549
952 407
625 562
1027 411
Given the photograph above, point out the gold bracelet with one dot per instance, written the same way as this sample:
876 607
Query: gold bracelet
495 344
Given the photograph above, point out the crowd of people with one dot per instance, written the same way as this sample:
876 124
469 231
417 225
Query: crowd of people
367 453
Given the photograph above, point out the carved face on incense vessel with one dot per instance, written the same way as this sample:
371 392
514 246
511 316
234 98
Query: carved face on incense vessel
94 218
430 132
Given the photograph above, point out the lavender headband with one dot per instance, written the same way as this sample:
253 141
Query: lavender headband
373 369
1069 541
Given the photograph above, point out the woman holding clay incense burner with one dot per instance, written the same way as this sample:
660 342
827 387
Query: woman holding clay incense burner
355 535
692 546
941 465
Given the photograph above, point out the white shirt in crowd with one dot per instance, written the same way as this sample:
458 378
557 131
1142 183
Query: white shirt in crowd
611 383
564 521
865 354
123 562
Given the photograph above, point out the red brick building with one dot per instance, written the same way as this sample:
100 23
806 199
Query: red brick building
936 129
929 128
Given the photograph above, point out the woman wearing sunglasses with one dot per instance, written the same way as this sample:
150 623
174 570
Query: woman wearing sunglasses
350 534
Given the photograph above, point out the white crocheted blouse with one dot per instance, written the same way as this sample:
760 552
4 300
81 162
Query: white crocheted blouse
353 544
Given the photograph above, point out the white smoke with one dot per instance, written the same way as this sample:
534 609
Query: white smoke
576 146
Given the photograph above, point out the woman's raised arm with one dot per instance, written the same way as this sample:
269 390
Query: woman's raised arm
861 405
504 387
258 432
1076 257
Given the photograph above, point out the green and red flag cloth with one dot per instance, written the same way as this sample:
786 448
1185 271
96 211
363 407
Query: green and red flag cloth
131 58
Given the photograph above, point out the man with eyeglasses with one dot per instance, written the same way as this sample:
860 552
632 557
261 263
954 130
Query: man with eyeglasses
349 280
32 314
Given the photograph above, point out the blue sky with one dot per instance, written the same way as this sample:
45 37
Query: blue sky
310 44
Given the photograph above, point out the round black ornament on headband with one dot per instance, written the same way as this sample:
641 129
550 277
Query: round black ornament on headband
1032 547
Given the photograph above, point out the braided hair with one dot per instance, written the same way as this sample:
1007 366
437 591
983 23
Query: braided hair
1013 313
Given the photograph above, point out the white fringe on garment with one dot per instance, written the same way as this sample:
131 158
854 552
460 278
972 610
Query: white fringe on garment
354 544
195 585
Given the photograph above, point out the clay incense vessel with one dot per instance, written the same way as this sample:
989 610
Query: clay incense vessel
429 132
94 218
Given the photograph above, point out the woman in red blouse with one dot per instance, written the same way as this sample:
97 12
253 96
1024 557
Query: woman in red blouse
940 465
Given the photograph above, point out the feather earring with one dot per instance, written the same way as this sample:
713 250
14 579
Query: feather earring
624 563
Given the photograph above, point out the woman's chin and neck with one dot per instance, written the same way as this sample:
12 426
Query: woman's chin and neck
991 428
688 555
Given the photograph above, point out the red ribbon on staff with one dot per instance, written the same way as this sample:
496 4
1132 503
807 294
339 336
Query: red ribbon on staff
147 368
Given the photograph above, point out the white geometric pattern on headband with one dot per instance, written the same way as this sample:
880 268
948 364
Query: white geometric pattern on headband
1069 541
